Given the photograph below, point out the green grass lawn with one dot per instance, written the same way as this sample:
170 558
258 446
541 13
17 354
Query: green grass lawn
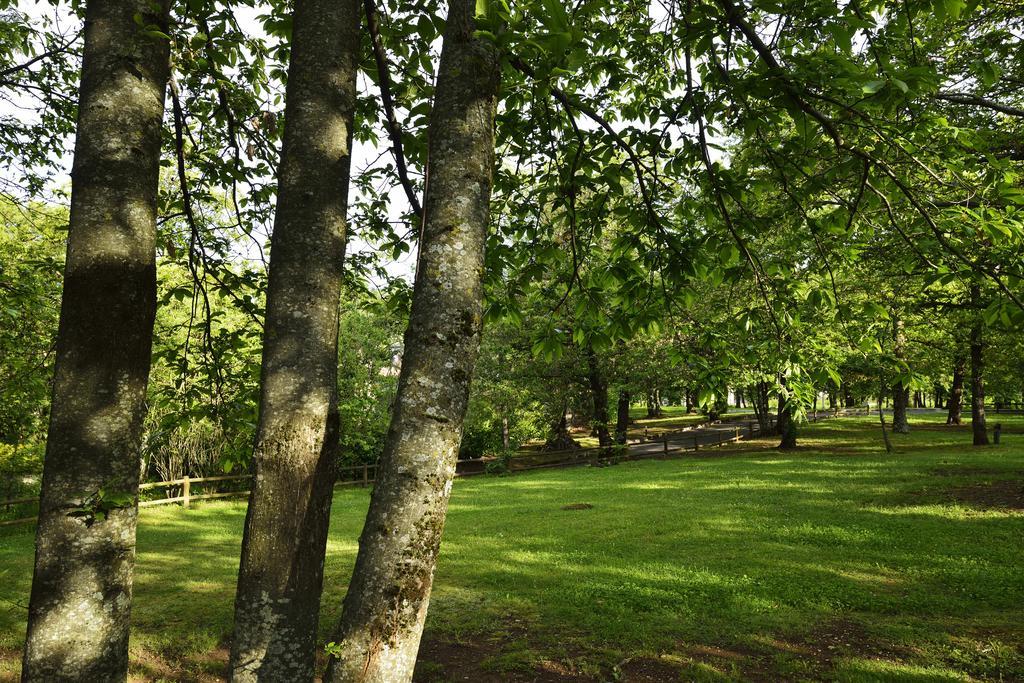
833 562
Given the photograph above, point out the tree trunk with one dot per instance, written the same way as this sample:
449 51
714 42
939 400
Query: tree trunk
281 573
977 373
881 418
382 619
955 402
786 418
599 398
506 443
900 393
691 401
622 418
848 400
759 398
79 609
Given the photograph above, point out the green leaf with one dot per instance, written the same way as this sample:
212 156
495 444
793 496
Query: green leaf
871 87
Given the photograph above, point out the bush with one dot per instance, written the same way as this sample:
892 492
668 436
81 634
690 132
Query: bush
21 469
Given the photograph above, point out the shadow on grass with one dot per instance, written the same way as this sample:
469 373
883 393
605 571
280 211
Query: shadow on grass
755 565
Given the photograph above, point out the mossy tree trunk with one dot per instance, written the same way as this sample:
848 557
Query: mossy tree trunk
281 573
955 402
85 540
382 618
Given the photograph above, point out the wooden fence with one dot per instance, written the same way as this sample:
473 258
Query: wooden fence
364 475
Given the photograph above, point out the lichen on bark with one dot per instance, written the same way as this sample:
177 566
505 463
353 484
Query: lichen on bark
80 605
382 620
281 571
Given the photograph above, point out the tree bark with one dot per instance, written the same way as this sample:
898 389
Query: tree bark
786 419
79 609
759 398
382 619
599 398
900 393
622 418
977 372
281 573
955 402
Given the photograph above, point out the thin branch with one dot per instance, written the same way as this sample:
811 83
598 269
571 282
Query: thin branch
386 99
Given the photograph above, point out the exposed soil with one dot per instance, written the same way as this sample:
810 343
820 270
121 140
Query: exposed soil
956 470
211 667
578 506
648 670
812 654
446 661
1007 494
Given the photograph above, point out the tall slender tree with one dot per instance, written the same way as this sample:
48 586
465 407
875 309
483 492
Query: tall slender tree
954 405
80 606
281 573
599 398
622 417
978 427
900 390
382 619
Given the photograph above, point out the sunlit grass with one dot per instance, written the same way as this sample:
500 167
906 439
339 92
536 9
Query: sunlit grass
834 562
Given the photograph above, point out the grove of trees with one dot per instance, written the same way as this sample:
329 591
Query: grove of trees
309 234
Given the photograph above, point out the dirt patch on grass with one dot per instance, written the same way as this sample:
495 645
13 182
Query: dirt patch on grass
1007 494
578 506
972 471
993 489
490 661
648 670
209 667
732 661
845 637
809 656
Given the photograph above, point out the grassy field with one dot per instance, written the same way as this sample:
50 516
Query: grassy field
833 562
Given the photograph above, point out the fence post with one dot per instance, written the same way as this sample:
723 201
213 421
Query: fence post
696 442
750 429
186 490
664 445
737 434
366 475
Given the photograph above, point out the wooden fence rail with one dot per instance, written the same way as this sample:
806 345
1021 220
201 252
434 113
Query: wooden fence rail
365 474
